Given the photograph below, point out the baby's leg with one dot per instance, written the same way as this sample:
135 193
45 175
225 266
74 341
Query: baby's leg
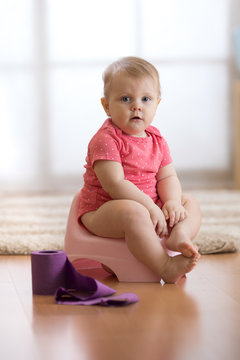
130 220
183 233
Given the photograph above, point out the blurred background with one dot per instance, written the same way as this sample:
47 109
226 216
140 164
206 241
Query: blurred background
53 53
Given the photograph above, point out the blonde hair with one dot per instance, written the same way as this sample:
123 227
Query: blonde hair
133 66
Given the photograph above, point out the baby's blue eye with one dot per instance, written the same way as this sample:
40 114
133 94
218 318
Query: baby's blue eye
146 99
125 98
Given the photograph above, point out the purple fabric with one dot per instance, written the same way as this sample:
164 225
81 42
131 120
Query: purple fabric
53 274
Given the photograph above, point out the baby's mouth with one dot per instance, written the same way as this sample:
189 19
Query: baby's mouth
136 118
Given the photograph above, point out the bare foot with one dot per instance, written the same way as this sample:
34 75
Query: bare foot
177 266
180 241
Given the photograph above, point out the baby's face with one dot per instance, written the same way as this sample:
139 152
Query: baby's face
132 103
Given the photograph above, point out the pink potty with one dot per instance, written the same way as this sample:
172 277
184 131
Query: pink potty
113 253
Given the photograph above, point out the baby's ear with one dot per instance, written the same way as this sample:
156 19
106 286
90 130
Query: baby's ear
105 105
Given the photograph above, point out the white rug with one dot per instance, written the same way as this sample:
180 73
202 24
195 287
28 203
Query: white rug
37 222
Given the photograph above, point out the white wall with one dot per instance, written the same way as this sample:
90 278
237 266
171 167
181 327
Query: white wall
51 62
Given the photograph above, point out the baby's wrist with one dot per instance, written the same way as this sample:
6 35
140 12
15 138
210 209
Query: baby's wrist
171 202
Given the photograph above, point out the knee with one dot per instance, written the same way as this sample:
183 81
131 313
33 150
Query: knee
134 212
186 197
189 199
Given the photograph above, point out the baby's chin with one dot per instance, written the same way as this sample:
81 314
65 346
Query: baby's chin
141 134
133 128
137 129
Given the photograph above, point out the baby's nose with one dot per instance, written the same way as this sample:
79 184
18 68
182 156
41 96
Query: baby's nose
136 106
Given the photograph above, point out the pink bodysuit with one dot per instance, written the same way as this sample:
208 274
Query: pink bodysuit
140 158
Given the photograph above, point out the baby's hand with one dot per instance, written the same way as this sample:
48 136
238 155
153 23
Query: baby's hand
174 212
158 220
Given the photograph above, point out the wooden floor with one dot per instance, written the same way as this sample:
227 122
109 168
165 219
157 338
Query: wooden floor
198 319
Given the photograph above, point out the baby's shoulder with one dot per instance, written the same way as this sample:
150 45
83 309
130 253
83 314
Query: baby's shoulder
106 134
153 130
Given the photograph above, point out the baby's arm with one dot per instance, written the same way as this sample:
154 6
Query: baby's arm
111 176
170 192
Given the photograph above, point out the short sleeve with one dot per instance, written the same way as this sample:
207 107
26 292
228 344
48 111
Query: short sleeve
166 156
104 146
